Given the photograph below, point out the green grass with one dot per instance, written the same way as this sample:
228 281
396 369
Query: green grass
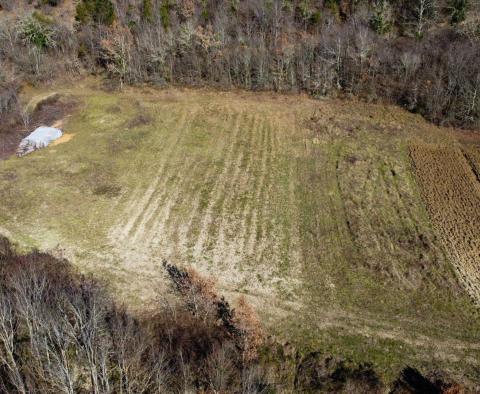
322 227
371 259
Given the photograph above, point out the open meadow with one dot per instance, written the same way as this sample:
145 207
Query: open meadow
340 221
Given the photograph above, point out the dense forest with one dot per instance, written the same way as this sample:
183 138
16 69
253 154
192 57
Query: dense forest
421 54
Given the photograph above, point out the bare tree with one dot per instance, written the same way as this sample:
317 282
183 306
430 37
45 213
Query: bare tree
8 344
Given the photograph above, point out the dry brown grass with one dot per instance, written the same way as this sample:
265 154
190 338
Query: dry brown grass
451 190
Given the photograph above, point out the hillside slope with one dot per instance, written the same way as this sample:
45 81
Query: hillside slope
309 208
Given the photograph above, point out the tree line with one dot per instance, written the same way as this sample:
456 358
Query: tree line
421 54
61 332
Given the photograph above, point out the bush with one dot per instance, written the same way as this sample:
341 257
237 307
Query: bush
147 11
165 13
381 20
98 11
458 10
262 45
38 31
52 3
68 335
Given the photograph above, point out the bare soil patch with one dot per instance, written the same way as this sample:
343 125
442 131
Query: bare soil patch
64 138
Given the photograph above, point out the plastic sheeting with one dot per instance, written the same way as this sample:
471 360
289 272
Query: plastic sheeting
40 138
43 136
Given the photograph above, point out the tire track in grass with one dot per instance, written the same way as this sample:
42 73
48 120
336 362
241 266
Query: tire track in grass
184 230
161 231
206 185
273 203
270 233
223 222
389 220
203 179
249 189
281 190
313 185
217 191
132 198
159 213
407 232
169 190
252 220
136 207
140 254
291 233
331 235
181 225
264 230
362 208
282 209
228 219
159 235
260 232
157 193
143 228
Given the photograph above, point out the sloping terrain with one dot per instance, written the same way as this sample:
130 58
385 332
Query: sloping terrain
309 208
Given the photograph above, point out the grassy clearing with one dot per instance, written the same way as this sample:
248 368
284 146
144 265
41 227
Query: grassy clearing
319 223
369 249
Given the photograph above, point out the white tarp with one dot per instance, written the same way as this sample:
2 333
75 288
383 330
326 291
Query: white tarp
40 138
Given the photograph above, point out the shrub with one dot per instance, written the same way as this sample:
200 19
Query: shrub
165 13
98 11
323 48
52 3
37 31
147 11
381 20
249 325
200 298
458 10
141 119
6 5
43 19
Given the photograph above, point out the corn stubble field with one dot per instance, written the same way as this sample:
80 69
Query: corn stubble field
352 228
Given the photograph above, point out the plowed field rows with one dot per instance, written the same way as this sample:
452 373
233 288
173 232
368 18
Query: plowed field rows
452 191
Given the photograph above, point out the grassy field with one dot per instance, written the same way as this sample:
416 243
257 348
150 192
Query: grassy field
309 208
